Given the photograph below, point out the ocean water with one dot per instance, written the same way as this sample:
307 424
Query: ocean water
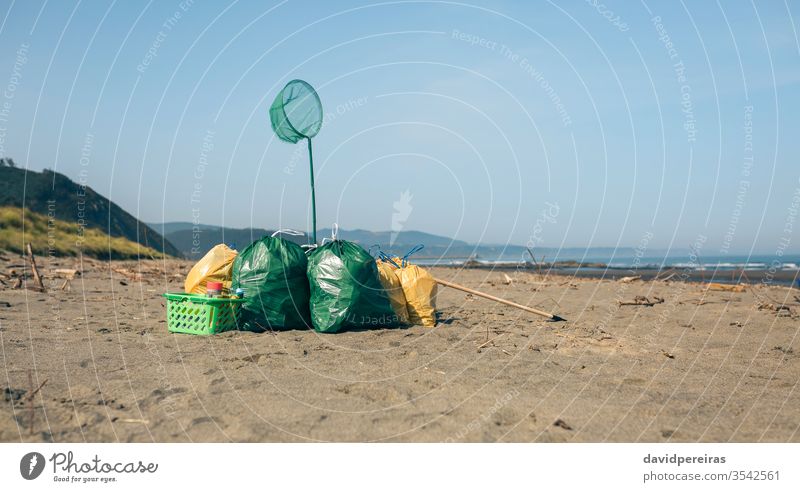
626 262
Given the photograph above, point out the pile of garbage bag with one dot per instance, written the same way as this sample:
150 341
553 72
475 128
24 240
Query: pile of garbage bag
332 287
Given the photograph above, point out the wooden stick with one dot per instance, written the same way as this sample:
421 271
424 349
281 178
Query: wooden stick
553 317
487 342
33 393
30 401
36 277
725 287
642 301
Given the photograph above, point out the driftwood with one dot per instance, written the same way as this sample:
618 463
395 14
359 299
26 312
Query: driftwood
36 277
553 317
67 273
726 287
130 274
642 301
629 279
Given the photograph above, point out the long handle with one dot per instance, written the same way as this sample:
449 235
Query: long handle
553 317
313 197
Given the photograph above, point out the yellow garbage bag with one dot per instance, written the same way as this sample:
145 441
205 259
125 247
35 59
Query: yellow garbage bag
216 266
420 289
394 290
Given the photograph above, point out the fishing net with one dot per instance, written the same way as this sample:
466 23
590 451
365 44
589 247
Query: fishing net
296 114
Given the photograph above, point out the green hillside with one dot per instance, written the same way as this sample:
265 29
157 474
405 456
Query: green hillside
50 236
53 193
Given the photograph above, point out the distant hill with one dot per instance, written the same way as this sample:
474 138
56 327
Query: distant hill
194 243
195 240
59 238
53 193
402 238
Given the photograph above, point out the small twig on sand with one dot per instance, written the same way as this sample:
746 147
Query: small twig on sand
30 404
487 342
36 277
33 393
562 424
132 421
642 301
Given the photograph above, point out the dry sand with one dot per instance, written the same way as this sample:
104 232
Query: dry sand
701 366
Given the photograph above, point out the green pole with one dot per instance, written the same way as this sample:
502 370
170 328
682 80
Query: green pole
313 198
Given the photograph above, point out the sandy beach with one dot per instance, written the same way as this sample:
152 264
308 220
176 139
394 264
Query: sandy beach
709 366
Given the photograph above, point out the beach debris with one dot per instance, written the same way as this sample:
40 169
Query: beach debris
642 301
780 309
553 317
671 272
31 414
666 279
13 394
668 355
507 280
626 280
30 395
36 277
562 424
132 421
726 287
67 273
487 342
133 276
537 264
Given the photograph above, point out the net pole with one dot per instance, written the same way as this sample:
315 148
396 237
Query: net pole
313 197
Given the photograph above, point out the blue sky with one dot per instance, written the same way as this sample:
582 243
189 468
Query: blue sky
491 115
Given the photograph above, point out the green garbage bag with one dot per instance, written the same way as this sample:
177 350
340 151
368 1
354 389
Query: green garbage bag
345 289
272 272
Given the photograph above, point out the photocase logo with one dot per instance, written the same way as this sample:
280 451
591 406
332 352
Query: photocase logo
31 466
402 210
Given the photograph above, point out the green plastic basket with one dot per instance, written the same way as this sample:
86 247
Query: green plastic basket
200 315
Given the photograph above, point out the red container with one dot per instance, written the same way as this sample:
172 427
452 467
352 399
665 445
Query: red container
214 289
